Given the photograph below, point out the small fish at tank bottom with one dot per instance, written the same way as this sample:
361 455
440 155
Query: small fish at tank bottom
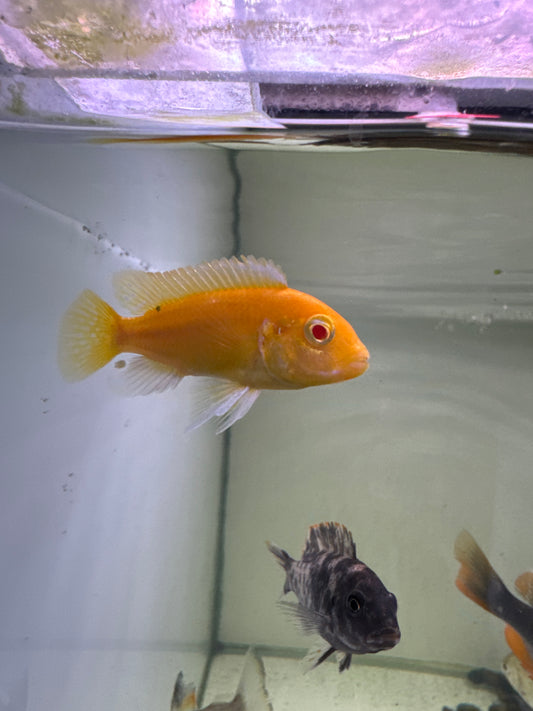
251 694
478 580
233 321
339 597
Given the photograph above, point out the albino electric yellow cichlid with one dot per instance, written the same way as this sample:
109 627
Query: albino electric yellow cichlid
234 320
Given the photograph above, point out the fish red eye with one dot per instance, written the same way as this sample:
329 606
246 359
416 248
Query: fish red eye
319 330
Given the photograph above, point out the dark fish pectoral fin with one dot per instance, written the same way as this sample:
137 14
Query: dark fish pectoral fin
345 663
323 657
309 621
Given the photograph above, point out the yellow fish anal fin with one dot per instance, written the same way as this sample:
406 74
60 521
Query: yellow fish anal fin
140 291
184 696
252 684
222 400
142 376
524 585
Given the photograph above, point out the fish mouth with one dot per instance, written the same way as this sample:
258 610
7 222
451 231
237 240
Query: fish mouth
359 366
384 639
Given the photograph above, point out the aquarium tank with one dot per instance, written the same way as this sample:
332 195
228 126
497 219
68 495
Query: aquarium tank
380 155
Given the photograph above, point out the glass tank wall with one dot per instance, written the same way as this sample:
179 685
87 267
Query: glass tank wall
380 153
132 550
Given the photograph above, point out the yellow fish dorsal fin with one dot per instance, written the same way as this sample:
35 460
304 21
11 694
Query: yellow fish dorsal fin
251 690
140 291
184 696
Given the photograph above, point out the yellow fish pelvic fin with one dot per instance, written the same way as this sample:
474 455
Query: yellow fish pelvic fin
222 400
87 336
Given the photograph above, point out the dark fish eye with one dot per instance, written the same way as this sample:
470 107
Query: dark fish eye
355 602
319 330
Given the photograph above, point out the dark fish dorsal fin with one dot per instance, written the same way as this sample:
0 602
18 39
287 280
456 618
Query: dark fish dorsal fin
329 536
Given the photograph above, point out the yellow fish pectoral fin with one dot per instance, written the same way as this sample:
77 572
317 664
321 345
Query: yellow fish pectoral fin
223 400
142 376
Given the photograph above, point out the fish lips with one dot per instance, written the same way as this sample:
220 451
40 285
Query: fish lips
346 370
359 366
383 639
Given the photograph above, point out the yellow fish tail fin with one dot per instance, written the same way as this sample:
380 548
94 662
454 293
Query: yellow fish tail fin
87 336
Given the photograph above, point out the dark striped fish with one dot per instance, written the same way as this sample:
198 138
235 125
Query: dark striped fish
339 597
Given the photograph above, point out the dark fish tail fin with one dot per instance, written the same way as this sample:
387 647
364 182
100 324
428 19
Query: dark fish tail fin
284 560
476 578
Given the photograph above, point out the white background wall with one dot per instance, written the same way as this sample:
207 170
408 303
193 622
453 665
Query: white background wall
108 510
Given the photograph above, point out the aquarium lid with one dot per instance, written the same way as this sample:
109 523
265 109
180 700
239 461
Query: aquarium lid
255 63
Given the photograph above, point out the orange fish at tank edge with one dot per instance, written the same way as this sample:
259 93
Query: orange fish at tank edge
478 580
234 321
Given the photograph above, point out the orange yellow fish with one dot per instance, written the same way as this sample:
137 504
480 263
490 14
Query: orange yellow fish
478 580
233 320
251 694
